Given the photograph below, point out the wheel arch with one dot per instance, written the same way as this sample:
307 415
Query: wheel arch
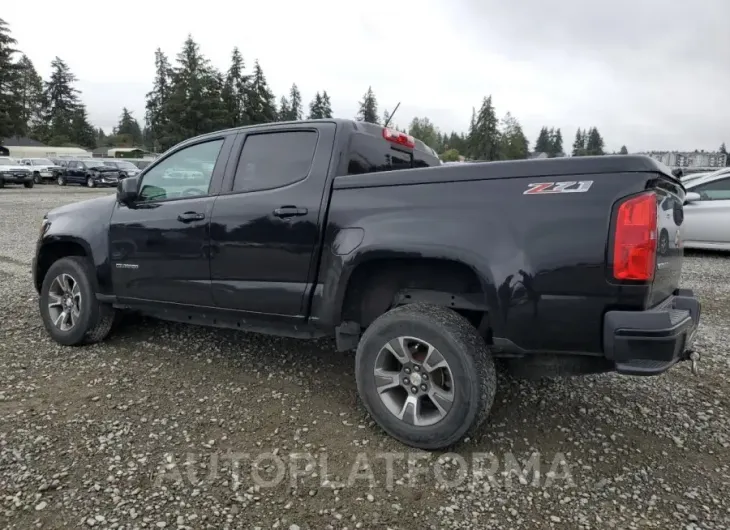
377 283
57 249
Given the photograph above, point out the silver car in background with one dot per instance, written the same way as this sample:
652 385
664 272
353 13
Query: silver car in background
707 212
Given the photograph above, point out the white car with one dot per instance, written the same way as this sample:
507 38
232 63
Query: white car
13 173
707 212
42 169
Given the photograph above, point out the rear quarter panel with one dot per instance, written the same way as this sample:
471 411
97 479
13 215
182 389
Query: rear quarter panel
541 258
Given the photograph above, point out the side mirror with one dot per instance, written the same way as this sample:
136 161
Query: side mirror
692 197
127 190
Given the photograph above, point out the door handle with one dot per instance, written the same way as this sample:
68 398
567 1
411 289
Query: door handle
190 216
289 211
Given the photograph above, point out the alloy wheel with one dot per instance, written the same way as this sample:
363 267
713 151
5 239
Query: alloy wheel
414 381
64 302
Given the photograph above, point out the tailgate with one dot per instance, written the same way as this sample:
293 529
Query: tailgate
670 252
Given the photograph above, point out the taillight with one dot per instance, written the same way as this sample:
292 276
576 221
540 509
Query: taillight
635 243
399 138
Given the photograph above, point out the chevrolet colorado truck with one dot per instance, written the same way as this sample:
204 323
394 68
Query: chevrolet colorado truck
347 229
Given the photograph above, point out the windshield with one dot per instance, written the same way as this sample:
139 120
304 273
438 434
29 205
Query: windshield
692 182
41 162
110 163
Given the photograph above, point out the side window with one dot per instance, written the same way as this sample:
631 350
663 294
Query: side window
72 165
185 173
718 190
273 160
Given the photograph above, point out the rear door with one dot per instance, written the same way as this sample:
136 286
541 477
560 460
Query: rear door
266 225
708 220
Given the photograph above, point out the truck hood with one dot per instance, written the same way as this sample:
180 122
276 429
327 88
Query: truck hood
93 210
7 169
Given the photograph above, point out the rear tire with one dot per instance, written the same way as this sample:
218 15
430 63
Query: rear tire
2 183
29 184
37 178
87 320
470 369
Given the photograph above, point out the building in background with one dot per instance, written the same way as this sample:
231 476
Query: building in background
690 160
27 148
123 152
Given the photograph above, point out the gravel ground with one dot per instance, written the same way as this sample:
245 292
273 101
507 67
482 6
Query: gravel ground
168 426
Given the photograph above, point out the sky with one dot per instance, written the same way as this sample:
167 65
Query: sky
650 74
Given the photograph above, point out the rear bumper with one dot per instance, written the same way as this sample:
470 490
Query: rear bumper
650 342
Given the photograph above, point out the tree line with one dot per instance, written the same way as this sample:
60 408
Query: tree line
190 97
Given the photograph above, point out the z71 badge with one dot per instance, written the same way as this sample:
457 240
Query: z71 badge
576 186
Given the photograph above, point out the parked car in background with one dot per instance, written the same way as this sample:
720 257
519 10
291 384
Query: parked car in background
707 212
13 173
91 172
125 167
42 169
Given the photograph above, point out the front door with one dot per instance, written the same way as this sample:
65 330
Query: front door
708 221
73 172
159 244
266 226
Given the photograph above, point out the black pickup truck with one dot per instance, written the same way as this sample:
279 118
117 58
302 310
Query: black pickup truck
346 229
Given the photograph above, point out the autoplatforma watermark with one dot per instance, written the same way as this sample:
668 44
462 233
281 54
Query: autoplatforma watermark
409 469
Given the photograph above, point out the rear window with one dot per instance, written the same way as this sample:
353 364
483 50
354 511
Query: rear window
371 154
273 160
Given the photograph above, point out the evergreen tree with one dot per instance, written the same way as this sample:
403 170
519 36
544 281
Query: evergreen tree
234 92
723 149
82 133
515 145
295 98
195 104
101 138
579 145
556 143
29 93
10 110
284 109
594 144
326 105
129 127
62 101
368 108
155 117
623 150
543 143
485 138
424 130
261 101
316 108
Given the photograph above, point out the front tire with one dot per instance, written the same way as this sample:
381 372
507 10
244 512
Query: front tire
61 180
37 178
90 182
70 311
28 184
425 375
